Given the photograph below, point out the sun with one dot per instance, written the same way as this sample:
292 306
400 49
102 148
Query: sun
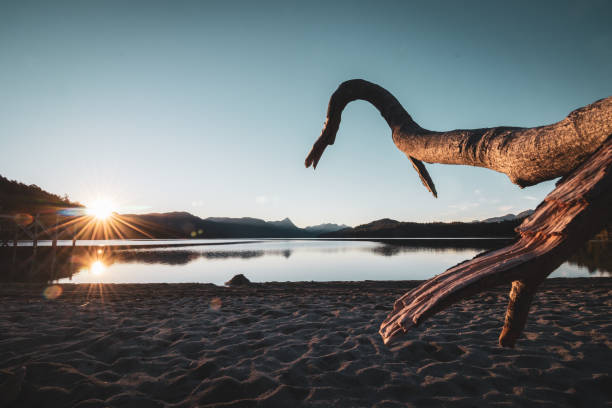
101 209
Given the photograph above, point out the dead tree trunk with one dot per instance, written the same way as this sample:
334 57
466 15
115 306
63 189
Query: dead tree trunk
578 147
527 156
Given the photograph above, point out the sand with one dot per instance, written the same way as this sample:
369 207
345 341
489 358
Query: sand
297 344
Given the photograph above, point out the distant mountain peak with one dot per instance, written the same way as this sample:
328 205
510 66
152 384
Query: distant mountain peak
285 223
508 217
326 227
241 220
383 222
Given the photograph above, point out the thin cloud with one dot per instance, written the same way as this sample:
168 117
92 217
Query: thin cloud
464 206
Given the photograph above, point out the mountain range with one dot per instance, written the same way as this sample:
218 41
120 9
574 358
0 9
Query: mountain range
508 217
388 228
189 225
17 198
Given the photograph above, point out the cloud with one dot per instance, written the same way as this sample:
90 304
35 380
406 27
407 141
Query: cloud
505 208
531 198
198 203
464 206
262 199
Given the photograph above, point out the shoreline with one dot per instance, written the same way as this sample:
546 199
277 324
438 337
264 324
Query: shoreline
138 243
8 287
74 292
300 343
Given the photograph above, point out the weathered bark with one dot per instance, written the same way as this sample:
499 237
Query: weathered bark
521 295
574 211
527 155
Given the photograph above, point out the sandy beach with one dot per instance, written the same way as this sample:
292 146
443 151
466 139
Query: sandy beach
297 344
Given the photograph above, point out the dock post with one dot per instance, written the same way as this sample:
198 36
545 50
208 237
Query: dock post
54 246
55 227
35 237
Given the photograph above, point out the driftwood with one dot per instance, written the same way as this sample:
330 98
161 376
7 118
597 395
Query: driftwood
568 216
578 148
526 155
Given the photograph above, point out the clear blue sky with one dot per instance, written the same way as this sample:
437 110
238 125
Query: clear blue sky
211 107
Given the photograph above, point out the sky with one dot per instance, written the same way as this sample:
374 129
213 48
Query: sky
212 107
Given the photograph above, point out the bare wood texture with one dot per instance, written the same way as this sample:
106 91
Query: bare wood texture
521 295
574 211
526 155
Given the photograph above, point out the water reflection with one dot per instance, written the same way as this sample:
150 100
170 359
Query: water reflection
96 267
595 256
395 249
46 264
172 257
397 246
236 254
332 260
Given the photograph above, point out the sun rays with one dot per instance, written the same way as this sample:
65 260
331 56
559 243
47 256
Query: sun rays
57 264
99 221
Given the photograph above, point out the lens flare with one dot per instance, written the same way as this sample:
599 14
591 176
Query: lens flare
215 304
52 292
24 219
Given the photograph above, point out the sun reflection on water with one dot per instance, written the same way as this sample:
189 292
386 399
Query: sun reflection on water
96 268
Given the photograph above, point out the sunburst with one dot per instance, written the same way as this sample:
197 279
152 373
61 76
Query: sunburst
99 220
101 209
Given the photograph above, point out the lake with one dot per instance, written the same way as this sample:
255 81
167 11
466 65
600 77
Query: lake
263 260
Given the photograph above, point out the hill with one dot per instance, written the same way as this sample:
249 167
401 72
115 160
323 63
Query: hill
16 197
509 217
387 228
323 228
189 225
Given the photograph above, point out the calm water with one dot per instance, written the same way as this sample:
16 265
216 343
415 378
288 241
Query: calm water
216 261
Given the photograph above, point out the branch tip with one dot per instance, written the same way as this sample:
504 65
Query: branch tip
424 175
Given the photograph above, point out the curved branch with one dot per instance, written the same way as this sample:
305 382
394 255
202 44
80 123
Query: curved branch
388 106
526 155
